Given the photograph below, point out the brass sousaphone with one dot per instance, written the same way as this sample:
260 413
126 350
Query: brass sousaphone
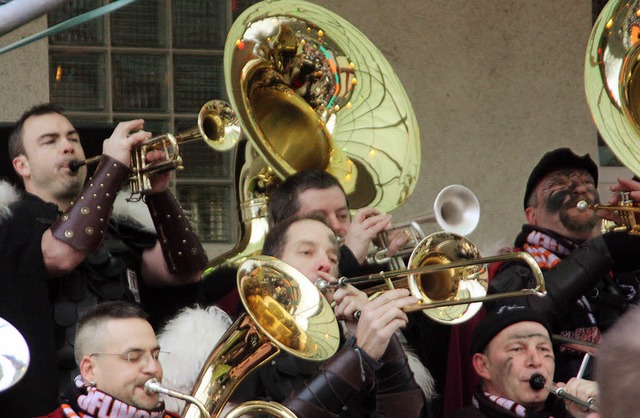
311 91
612 79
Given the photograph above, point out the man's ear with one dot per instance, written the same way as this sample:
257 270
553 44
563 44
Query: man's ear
87 369
481 365
21 165
530 212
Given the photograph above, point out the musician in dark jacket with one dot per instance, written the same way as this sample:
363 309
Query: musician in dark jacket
510 346
591 277
370 373
63 252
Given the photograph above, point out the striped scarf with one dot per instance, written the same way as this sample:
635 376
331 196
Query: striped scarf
80 401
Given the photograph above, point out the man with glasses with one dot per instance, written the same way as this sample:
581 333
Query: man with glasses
117 352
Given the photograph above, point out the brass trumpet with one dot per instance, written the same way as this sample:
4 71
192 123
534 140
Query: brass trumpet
625 209
447 276
217 126
456 209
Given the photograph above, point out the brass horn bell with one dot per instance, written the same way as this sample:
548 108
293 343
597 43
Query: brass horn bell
612 79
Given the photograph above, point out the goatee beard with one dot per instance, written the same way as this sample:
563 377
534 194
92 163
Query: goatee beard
577 226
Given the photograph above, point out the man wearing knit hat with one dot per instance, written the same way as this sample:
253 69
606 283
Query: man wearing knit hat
509 346
591 277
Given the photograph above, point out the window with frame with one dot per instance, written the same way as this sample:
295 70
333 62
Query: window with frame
159 60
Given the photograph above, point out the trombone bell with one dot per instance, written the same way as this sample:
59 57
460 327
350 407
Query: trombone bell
460 283
456 264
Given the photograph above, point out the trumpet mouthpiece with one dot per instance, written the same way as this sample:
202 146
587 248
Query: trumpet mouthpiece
75 165
322 285
537 381
582 205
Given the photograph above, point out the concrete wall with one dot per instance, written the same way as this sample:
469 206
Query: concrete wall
24 72
494 84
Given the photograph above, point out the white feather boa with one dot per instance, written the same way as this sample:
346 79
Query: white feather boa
189 338
8 195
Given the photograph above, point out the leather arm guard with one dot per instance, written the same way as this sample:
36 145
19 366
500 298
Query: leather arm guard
339 378
180 245
84 222
397 389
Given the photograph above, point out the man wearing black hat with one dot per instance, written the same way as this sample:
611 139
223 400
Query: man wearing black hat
510 346
584 298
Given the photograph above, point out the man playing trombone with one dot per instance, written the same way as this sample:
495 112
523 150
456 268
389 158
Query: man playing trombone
370 372
64 252
511 350
584 298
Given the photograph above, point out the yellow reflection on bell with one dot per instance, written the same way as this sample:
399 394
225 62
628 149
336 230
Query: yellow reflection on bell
372 152
320 32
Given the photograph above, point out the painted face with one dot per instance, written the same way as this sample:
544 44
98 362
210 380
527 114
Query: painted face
557 196
311 247
50 142
331 203
515 354
131 346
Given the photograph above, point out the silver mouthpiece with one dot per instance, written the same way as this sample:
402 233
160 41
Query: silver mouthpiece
582 205
152 386
322 285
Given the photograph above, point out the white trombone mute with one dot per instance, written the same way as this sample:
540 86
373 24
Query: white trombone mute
456 210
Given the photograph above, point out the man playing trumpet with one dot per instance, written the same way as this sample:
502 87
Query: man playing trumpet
590 276
63 252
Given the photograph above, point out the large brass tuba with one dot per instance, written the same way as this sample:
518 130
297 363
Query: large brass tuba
612 79
311 91
285 312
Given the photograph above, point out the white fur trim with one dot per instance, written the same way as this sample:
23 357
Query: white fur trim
421 375
189 338
8 195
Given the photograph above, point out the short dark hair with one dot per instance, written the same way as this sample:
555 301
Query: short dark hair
16 145
276 238
101 313
284 203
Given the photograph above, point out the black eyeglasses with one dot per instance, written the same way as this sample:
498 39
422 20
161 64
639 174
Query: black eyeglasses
134 356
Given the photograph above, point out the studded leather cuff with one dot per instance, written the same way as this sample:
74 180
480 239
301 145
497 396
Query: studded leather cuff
180 245
84 222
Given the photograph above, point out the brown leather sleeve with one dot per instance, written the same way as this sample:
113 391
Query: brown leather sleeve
180 245
341 377
84 222
397 389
